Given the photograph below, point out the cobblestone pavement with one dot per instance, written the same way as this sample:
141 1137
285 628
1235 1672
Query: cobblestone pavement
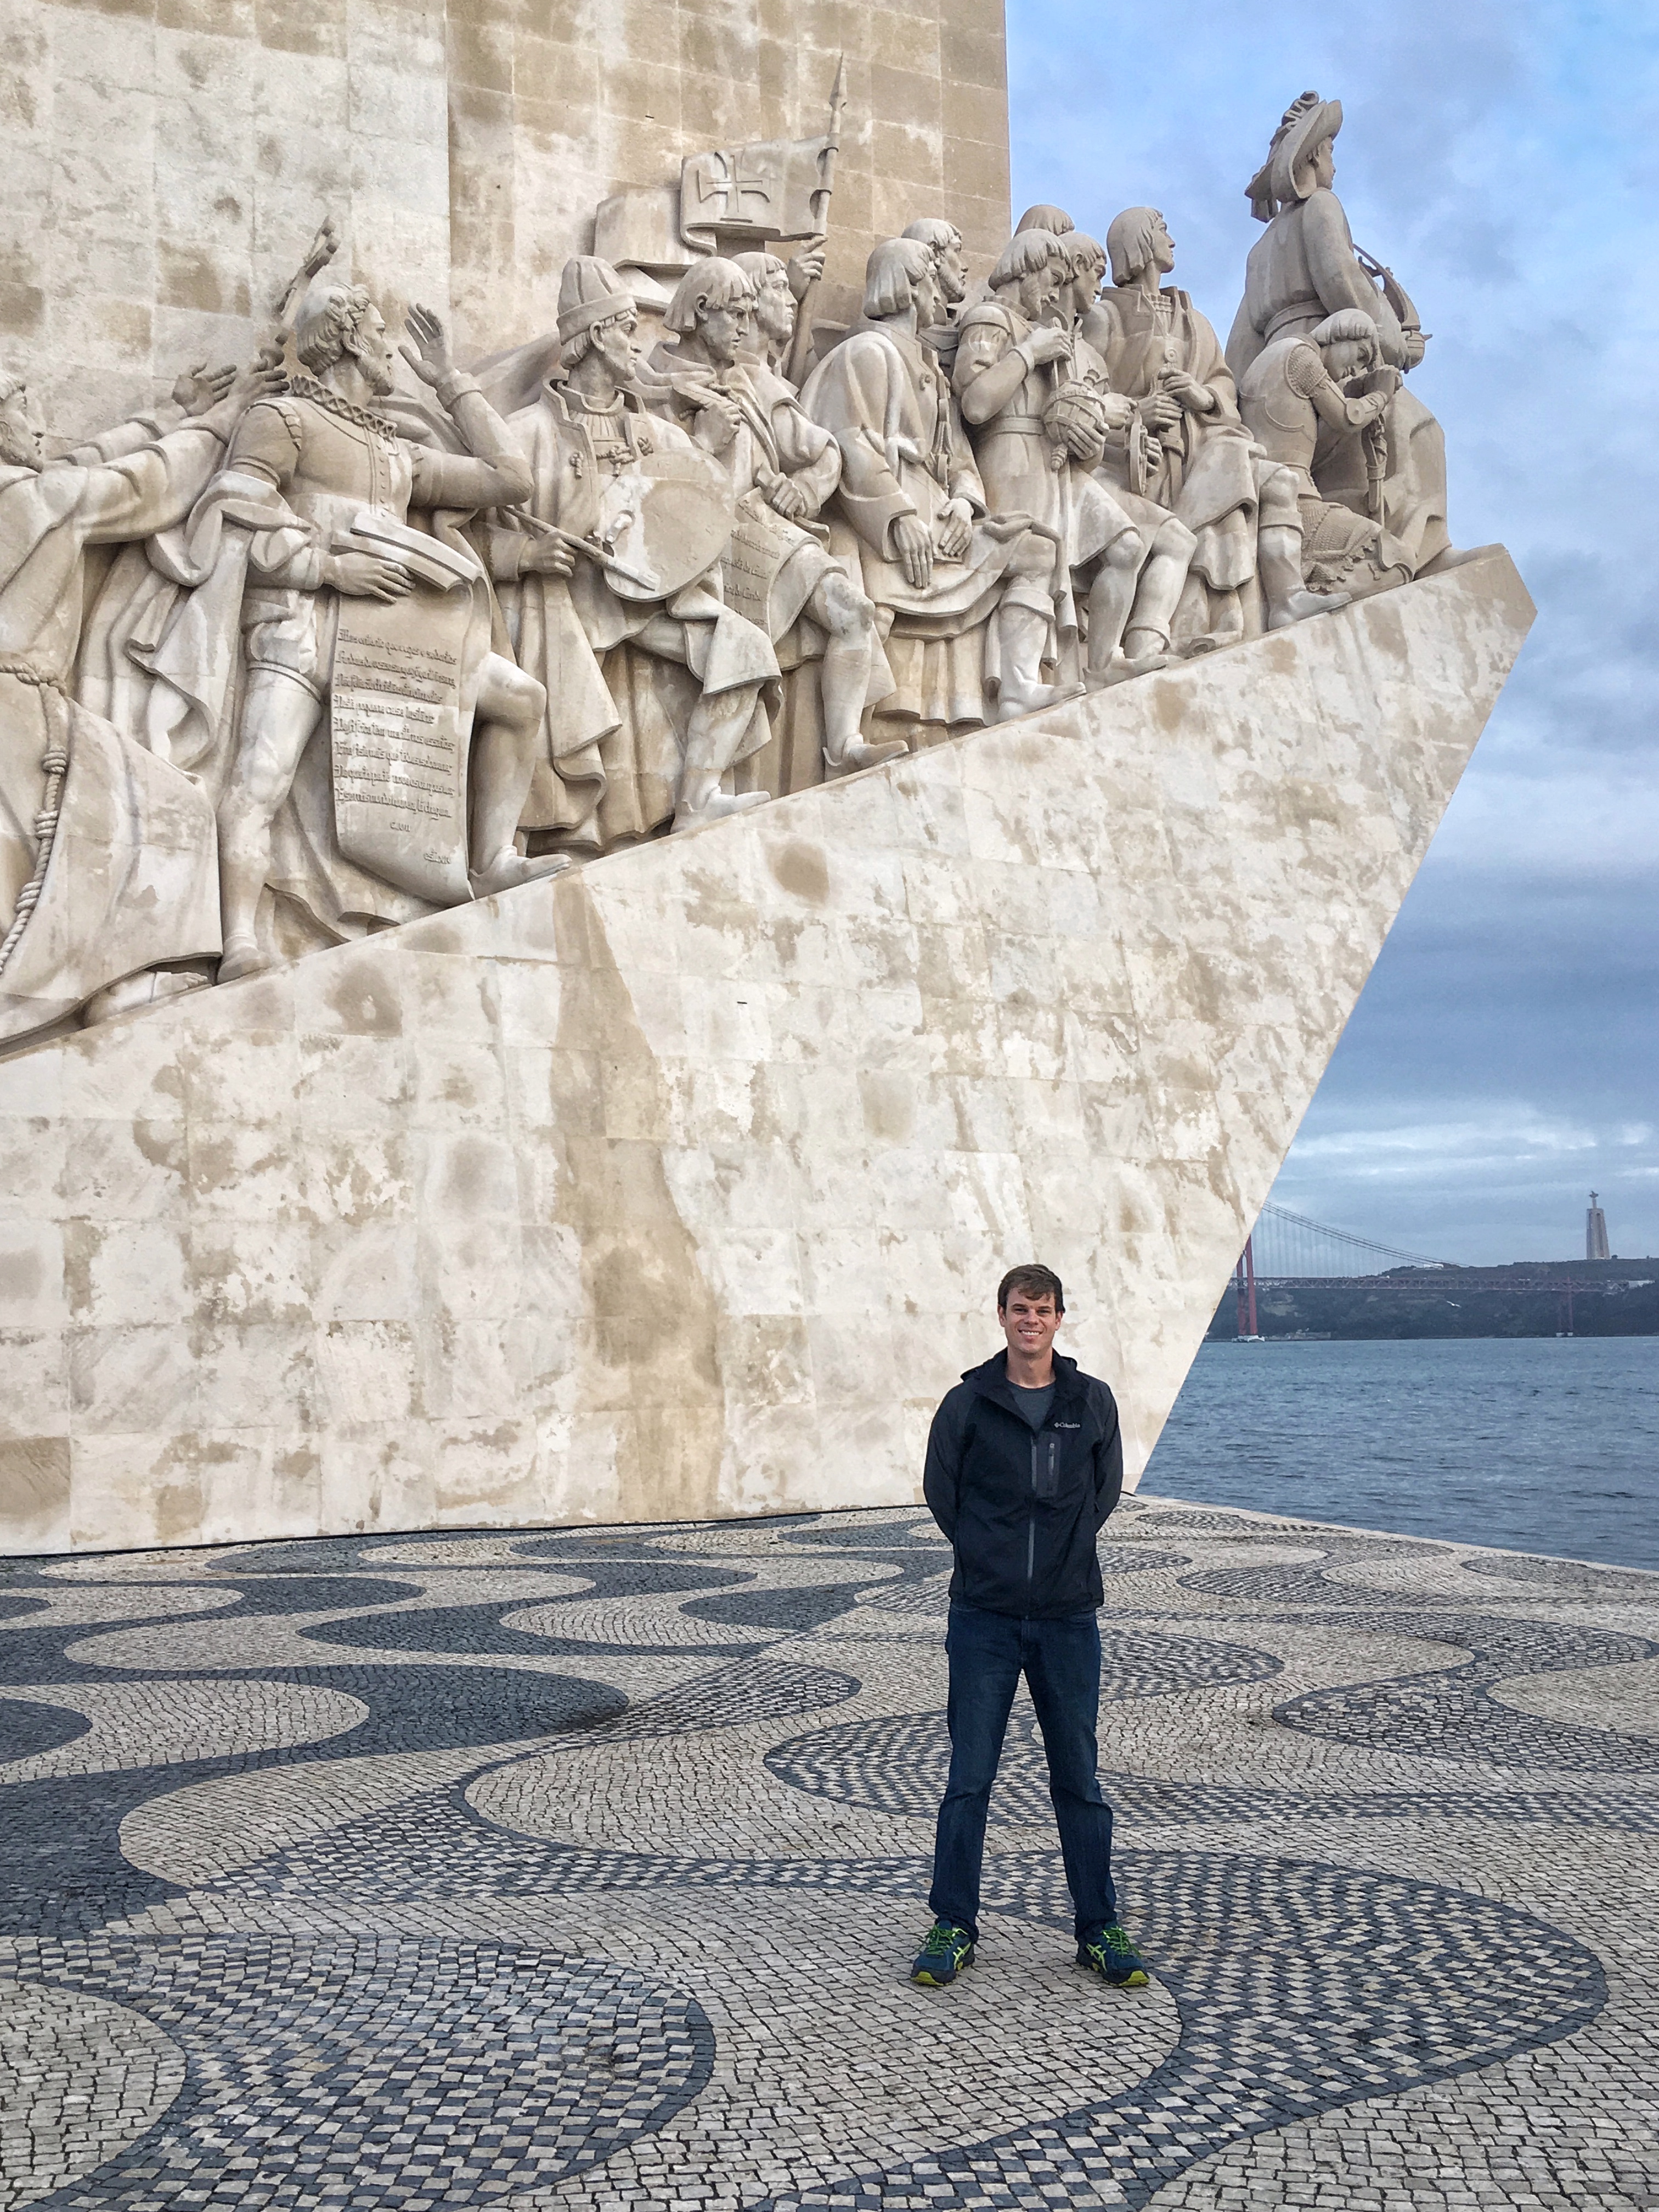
583 1870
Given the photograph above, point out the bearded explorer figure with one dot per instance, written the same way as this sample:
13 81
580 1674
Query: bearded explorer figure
1025 1463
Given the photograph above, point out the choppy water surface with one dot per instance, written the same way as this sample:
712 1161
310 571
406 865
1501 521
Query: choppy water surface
1535 1443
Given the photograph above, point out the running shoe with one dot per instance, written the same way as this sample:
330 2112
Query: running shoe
1109 1953
943 1955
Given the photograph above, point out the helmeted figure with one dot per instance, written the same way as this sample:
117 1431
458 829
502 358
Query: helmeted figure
957 585
1305 268
776 569
330 460
1187 450
653 684
108 886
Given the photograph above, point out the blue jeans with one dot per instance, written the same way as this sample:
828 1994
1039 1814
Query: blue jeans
1060 1660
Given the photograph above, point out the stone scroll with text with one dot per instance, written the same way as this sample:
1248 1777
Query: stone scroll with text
400 740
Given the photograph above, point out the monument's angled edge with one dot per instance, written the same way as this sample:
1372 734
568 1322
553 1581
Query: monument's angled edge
689 750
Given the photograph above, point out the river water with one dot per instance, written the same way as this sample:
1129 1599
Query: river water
1533 1443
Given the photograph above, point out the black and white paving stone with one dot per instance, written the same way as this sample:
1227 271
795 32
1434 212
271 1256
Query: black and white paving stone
583 1869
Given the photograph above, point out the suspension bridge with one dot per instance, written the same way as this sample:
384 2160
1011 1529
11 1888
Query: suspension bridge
1288 1251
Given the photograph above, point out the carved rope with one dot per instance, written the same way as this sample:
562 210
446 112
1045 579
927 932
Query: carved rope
55 763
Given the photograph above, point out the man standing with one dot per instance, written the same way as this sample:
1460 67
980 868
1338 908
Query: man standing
1025 1463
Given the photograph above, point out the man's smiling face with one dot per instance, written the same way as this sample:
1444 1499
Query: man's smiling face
1029 1323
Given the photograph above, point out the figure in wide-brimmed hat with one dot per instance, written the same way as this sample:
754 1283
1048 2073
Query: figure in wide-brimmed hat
1307 268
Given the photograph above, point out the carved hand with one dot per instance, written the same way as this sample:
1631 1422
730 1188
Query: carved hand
1047 343
1187 390
429 356
1115 411
262 379
718 423
1084 443
1158 411
915 551
956 528
366 576
199 388
806 267
546 557
789 500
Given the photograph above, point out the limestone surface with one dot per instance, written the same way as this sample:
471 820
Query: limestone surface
680 1185
166 155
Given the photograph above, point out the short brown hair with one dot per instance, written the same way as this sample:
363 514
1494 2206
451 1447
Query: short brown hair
1036 1282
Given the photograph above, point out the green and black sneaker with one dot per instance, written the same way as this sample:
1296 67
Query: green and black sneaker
943 1955
1109 1953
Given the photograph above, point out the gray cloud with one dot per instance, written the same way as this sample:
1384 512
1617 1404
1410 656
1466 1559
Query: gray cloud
1502 159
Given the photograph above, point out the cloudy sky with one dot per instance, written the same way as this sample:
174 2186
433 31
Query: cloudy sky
1503 157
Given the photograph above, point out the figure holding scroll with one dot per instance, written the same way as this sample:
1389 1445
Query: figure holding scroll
341 484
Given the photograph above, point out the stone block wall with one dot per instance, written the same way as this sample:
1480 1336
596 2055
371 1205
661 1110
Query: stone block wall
680 1186
168 160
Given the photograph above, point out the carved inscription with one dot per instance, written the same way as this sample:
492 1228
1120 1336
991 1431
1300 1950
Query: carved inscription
399 741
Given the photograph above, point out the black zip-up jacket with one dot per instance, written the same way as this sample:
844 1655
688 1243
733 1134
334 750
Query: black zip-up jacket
1021 1511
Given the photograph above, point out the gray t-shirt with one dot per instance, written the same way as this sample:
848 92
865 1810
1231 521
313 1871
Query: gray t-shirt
1033 1404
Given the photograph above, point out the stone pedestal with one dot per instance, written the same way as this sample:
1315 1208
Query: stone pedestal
680 1186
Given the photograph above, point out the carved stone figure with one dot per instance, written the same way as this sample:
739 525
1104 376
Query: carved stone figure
1306 268
332 460
1042 412
782 466
1012 364
617 581
109 894
939 326
783 291
1302 397
940 567
1189 450
385 652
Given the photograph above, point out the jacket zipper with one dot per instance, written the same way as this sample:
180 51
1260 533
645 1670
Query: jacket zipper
1030 1530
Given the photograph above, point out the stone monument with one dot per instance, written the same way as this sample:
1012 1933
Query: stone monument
580 868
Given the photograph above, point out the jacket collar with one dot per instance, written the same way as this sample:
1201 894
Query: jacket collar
991 1380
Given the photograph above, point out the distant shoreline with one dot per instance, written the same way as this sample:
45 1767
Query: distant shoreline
1526 1298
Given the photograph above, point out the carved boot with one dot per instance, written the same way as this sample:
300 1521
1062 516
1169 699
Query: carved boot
861 754
147 989
714 738
242 958
1022 634
715 806
1278 560
510 868
1122 667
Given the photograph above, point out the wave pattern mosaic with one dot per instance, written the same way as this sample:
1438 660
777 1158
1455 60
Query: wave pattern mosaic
583 1870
